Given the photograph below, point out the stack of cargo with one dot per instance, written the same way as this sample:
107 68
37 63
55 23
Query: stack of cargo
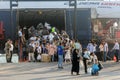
45 58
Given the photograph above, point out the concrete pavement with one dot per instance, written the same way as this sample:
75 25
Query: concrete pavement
49 71
3 58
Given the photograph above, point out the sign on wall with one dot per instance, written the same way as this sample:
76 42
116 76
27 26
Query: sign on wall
105 9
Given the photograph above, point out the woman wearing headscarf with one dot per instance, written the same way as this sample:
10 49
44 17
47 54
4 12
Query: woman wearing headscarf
75 62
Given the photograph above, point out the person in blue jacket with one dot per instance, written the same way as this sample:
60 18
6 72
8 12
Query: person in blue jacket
95 68
60 51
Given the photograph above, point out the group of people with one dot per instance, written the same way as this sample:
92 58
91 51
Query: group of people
104 49
88 58
60 48
36 45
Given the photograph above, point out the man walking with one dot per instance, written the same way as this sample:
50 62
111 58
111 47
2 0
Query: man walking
105 51
116 49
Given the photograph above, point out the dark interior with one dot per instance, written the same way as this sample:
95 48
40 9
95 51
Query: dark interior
33 17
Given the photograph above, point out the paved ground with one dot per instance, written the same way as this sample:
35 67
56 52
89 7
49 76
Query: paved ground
3 58
49 71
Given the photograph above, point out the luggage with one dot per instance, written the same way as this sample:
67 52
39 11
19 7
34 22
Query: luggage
95 69
45 58
39 57
89 70
45 32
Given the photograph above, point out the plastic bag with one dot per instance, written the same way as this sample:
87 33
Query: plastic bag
89 70
95 68
39 57
81 64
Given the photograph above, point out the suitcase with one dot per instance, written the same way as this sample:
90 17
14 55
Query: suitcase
45 58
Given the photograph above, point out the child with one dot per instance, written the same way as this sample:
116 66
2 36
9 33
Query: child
68 56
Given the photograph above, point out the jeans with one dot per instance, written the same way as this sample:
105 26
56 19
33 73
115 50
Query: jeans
52 58
60 60
104 56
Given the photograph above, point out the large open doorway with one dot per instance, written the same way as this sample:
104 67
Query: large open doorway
31 17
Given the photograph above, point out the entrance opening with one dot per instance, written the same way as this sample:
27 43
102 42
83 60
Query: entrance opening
32 17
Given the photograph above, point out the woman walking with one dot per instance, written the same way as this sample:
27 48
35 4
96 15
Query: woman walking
75 62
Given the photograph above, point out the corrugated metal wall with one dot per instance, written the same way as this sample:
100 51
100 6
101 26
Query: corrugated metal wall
83 24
